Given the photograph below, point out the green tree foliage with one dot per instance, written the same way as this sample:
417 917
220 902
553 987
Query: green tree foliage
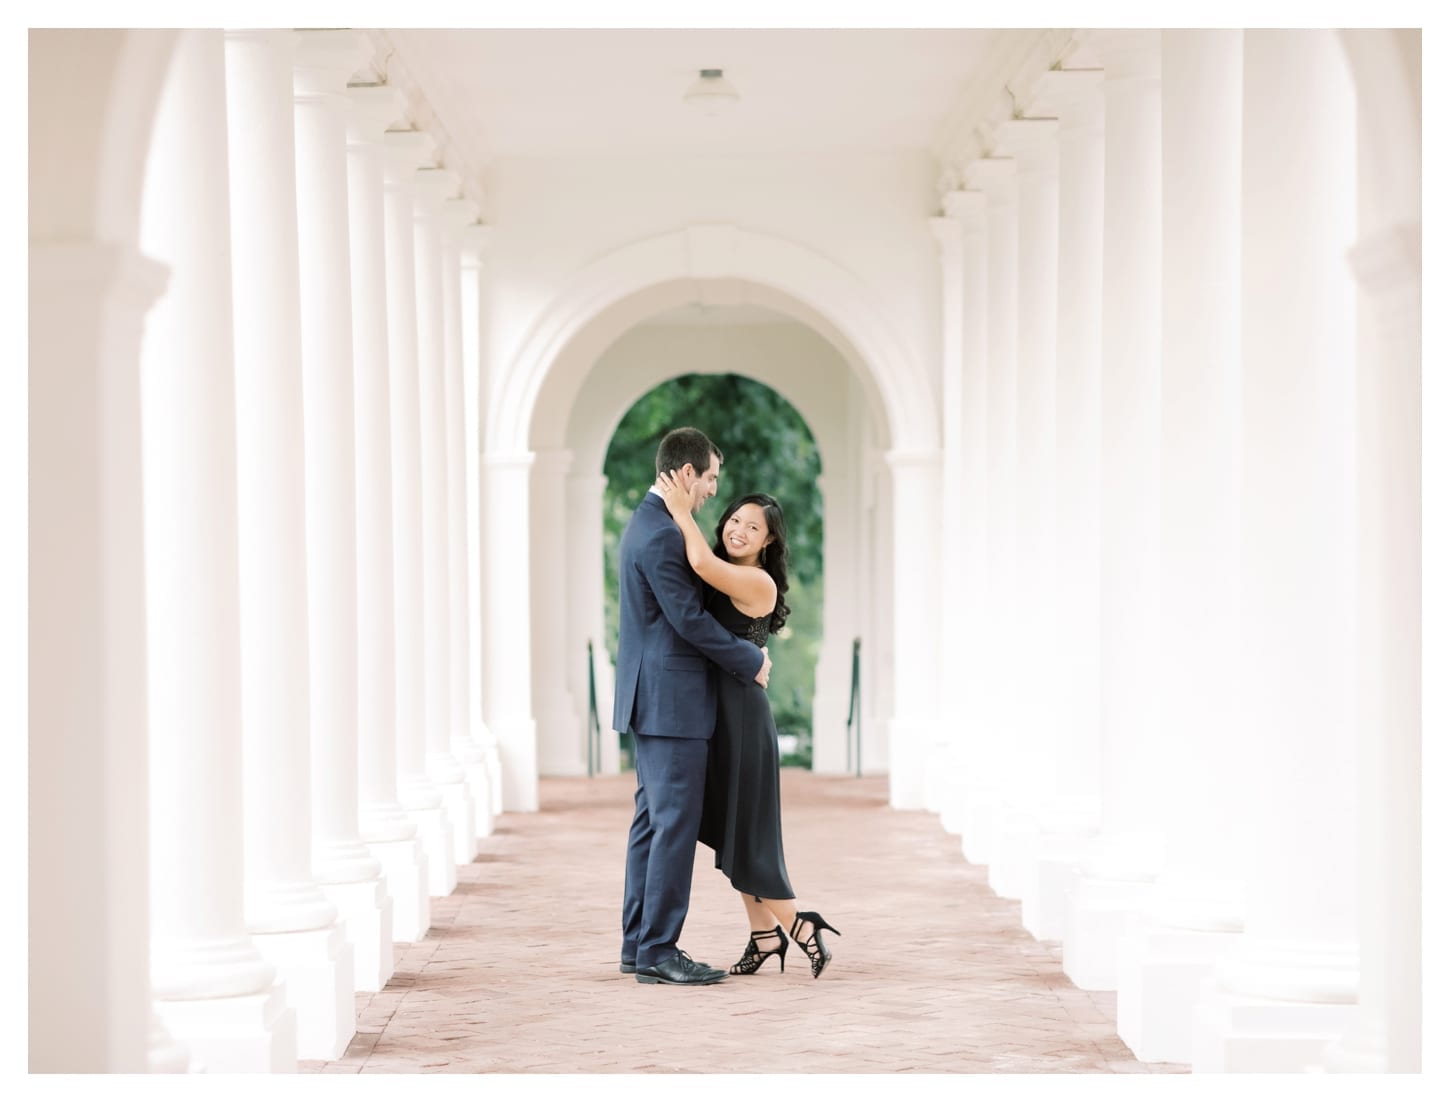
768 449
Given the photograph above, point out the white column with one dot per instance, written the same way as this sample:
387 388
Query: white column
214 990
1114 876
294 925
507 629
584 496
944 742
351 876
841 622
431 188
1032 144
916 630
1386 1035
964 545
560 720
458 216
1071 777
1195 907
89 991
878 637
385 828
474 244
1299 949
995 177
406 150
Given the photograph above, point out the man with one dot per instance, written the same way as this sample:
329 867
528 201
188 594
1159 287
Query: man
664 695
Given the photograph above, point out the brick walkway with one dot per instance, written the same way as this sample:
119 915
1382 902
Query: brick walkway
933 973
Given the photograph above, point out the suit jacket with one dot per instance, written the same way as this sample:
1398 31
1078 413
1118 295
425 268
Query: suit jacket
662 683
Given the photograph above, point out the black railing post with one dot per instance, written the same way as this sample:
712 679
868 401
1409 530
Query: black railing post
853 716
595 752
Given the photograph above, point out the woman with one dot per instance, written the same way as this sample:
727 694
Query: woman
741 820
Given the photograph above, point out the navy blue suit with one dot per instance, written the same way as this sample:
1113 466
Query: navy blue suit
664 694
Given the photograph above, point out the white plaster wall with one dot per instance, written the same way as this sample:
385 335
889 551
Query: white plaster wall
865 213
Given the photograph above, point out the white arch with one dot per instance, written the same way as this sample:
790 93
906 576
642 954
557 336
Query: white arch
652 275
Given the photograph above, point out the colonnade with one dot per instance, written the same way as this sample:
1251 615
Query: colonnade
316 771
1155 331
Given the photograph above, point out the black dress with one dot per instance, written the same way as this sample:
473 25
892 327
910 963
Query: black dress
741 817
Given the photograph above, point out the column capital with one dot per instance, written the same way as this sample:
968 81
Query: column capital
1030 141
1129 54
908 459
324 60
459 214
1388 258
273 35
407 151
120 274
948 234
507 461
996 177
553 462
591 484
375 107
434 186
966 207
1070 95
474 240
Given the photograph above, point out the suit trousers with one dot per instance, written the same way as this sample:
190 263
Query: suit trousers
660 860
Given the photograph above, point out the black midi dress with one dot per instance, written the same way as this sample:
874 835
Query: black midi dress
741 817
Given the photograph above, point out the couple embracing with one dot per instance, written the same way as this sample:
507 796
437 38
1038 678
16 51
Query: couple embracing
690 687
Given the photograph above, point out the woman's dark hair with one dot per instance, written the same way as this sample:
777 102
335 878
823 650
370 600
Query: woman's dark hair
774 557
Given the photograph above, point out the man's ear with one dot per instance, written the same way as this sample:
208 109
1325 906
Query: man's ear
688 468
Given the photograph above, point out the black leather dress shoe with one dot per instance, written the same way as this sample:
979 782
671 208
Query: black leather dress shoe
627 967
680 969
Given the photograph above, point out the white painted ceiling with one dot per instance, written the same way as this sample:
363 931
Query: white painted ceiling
551 93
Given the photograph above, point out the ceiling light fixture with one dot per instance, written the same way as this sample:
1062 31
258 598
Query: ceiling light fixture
712 93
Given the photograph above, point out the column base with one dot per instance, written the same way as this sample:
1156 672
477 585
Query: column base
938 767
435 831
480 788
458 801
908 742
1161 971
1365 1050
1097 911
1244 1033
367 918
489 745
955 770
164 1055
405 873
1014 837
518 759
240 1034
1044 892
979 820
315 967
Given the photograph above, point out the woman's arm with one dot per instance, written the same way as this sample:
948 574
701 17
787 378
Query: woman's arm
752 589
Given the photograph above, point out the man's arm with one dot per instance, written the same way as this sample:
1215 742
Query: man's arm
674 586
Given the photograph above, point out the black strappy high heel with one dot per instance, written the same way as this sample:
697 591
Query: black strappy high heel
819 954
751 960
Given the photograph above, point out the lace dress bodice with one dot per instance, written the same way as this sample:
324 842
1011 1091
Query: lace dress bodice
754 628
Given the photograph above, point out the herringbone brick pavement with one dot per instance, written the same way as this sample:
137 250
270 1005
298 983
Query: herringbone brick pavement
933 973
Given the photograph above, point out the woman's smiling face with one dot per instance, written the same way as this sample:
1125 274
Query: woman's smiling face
745 533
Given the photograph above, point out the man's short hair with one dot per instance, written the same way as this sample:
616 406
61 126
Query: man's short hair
685 445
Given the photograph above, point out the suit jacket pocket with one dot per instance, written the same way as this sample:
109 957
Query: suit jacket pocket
684 662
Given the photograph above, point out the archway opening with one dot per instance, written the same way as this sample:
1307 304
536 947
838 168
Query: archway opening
615 360
768 448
